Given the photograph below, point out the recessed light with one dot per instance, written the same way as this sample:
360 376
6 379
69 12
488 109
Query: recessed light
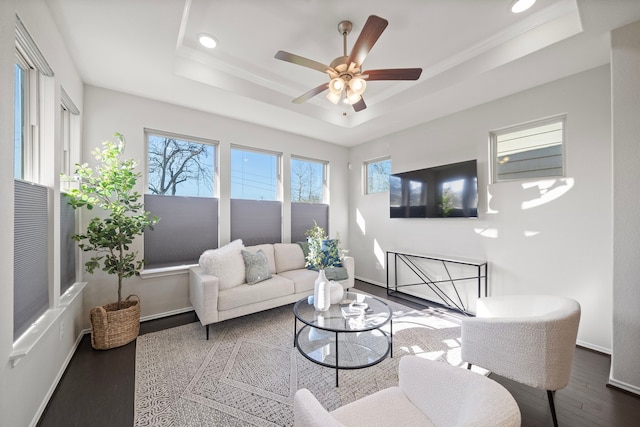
518 6
207 40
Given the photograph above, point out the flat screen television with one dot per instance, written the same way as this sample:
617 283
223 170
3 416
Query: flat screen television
447 191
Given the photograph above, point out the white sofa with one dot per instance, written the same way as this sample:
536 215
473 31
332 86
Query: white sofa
227 295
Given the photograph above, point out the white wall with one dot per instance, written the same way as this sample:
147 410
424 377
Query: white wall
625 69
130 115
26 388
562 246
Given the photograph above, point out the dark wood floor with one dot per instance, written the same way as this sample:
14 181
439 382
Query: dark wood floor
97 388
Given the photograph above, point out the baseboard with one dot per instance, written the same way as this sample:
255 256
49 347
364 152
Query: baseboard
166 314
372 282
623 386
596 348
54 385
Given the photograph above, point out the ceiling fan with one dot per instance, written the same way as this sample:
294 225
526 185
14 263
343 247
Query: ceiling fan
347 81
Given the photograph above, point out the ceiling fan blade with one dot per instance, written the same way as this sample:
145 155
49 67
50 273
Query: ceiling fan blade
360 105
393 74
299 60
370 33
313 92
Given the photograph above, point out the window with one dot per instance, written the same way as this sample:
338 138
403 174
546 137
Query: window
180 166
31 284
19 119
256 212
307 181
534 150
181 191
254 174
377 176
69 129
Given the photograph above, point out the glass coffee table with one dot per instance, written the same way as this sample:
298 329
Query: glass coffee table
347 336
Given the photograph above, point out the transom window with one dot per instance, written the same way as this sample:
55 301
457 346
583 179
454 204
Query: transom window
180 166
308 178
534 150
377 175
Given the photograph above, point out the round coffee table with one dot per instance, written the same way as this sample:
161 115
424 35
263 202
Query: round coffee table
340 337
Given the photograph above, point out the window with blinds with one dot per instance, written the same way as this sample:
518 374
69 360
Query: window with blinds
67 245
535 150
30 259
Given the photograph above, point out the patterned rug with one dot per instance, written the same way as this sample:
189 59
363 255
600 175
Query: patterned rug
248 372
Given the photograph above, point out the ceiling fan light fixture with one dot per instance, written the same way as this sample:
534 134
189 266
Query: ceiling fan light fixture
352 96
518 6
336 85
207 40
358 85
334 97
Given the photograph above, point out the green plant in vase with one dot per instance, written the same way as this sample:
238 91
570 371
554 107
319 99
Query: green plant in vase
323 254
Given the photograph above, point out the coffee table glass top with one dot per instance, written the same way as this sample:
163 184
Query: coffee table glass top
345 317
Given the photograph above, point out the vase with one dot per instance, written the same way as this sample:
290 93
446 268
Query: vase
321 296
336 292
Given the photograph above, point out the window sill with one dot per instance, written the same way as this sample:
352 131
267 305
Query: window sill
166 271
30 338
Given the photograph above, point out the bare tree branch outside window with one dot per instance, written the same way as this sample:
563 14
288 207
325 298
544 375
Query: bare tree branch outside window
306 181
378 176
180 167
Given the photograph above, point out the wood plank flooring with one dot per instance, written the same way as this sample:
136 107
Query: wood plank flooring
97 388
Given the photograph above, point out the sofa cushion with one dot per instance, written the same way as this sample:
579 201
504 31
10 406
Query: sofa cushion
256 266
245 294
268 251
225 263
304 279
289 256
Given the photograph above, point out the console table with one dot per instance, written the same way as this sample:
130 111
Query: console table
442 277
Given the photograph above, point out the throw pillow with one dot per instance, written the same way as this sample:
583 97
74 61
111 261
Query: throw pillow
256 266
225 263
331 253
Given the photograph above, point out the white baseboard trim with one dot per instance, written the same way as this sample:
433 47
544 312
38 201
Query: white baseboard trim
624 386
166 314
54 385
373 282
593 347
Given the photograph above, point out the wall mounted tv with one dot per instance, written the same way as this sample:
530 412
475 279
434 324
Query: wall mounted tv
437 192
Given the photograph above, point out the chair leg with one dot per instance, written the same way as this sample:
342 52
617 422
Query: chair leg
207 327
553 408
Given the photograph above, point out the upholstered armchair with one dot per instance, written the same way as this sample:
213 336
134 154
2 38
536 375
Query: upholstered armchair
530 339
429 394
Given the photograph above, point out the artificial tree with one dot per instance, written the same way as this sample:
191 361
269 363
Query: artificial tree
111 186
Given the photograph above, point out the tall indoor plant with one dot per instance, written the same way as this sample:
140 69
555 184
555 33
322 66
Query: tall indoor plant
111 186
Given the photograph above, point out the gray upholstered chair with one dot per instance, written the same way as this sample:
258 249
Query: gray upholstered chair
429 394
530 339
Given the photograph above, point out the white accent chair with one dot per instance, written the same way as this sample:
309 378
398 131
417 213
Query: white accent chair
530 339
430 393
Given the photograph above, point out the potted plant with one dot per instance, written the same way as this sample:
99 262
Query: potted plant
323 253
110 186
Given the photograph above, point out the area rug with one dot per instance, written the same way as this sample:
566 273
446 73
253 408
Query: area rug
248 372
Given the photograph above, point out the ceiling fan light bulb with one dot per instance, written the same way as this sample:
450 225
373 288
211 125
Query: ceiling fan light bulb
358 85
336 85
334 97
353 97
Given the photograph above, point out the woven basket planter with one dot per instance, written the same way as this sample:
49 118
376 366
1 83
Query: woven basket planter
111 327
